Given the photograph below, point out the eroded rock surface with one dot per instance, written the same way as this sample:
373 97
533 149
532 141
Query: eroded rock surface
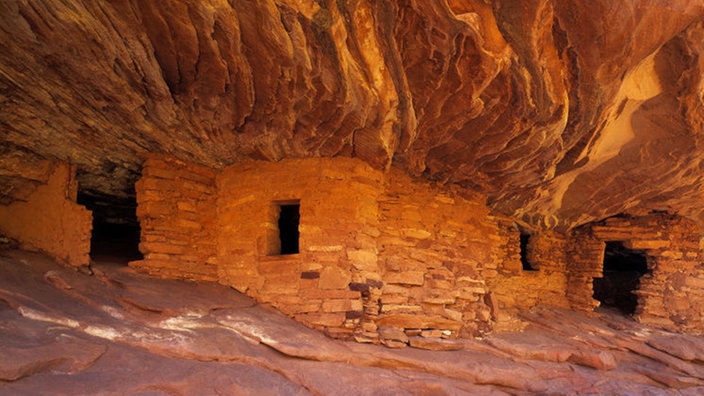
118 332
561 112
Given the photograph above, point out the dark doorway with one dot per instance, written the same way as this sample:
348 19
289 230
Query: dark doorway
289 217
116 232
623 269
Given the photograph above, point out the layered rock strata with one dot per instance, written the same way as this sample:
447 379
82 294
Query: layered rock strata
119 332
560 112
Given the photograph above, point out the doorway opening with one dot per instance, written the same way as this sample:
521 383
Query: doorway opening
116 231
623 269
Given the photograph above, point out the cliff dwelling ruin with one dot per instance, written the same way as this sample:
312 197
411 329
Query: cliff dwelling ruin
401 174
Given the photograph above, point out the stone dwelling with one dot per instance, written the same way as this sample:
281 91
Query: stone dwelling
378 256
373 169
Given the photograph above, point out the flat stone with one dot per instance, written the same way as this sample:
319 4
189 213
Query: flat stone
436 344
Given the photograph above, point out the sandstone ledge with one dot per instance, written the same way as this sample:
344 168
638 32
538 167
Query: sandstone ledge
63 331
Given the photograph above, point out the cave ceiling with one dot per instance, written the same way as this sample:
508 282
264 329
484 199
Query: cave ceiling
559 112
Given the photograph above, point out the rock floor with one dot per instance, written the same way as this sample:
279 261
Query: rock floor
119 332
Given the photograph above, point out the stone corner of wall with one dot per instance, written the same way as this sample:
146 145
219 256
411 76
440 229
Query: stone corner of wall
50 220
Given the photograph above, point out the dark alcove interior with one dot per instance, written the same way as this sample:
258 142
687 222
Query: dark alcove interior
623 269
116 232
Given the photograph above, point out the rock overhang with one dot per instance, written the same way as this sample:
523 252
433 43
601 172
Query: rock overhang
561 113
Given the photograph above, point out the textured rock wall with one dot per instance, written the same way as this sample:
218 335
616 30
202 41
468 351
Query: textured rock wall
322 285
516 289
435 250
672 295
21 172
176 211
585 255
381 256
562 112
384 257
49 219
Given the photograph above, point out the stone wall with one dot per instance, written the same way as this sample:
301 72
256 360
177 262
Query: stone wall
323 285
585 261
176 211
50 220
515 289
384 258
435 250
671 296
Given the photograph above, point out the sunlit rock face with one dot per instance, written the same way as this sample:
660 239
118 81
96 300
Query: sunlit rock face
560 112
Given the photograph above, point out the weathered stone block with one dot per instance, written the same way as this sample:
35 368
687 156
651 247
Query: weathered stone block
333 277
436 344
405 278
416 233
392 333
646 244
323 319
418 322
392 299
400 308
453 315
433 333
394 344
356 314
364 260
361 287
336 305
310 275
439 300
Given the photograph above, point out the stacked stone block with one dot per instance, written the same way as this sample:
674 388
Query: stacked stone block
433 249
515 289
176 211
50 220
386 258
671 295
585 257
328 284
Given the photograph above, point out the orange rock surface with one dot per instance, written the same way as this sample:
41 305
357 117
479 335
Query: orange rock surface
119 332
380 256
50 220
561 112
408 173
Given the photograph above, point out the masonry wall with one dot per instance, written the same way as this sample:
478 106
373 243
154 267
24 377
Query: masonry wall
323 285
50 220
672 295
382 257
386 258
176 211
514 289
436 247
585 261
517 289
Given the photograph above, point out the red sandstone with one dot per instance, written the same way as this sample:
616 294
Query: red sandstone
407 174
